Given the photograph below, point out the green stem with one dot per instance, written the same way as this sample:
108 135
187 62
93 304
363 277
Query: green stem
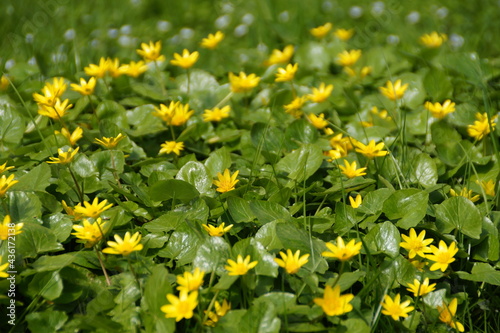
78 189
224 100
108 281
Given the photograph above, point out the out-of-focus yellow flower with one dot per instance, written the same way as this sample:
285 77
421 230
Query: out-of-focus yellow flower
355 203
171 147
217 231
3 267
322 30
186 60
134 69
433 40
240 266
181 307
70 211
481 126
447 315
420 289
350 170
151 51
216 114
334 304
97 70
342 251
466 193
348 58
114 68
4 83
439 110
292 262
394 307
220 311
365 71
287 73
64 157
90 233
190 281
4 167
366 123
371 150
295 107
381 114
416 245
7 228
394 91
6 183
242 82
165 113
57 111
85 88
442 256
49 97
58 86
72 137
321 93
336 153
317 121
124 246
212 40
488 187
344 34
226 182
110 143
181 115
280 57
92 210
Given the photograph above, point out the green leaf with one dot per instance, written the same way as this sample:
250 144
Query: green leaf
414 96
268 238
12 125
383 238
410 206
300 132
36 180
345 218
36 239
112 112
424 171
302 163
438 85
482 272
196 174
356 325
266 211
47 321
164 190
171 220
61 225
184 243
269 139
108 161
240 210
53 263
49 285
212 255
459 213
218 161
373 202
316 51
249 246
24 206
83 166
283 302
156 288
260 318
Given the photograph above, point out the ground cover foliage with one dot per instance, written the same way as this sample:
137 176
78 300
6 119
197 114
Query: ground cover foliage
319 167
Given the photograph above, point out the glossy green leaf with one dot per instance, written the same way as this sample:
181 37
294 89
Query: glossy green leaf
459 213
240 209
23 206
409 206
383 238
155 290
46 321
196 174
424 171
218 161
301 163
36 239
482 272
173 189
212 255
36 180
48 285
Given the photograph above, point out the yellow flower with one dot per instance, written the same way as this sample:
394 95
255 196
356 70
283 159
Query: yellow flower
166 113
49 97
348 58
226 181
220 311
366 123
134 69
286 74
317 121
216 114
240 266
416 245
442 256
90 233
433 40
171 147
418 264
339 142
321 31
97 70
382 114
336 153
85 88
114 68
92 210
124 246
190 281
365 71
294 108
3 267
58 86
181 115
466 194
440 111
344 34
341 251
181 307
350 170
371 150
243 83
280 57
394 307
212 40
64 157
332 303
57 111
187 60
355 203
6 183
320 94
72 137
4 167
421 289
4 83
394 91
7 228
447 313
292 262
481 126
488 187
151 52
217 231
110 143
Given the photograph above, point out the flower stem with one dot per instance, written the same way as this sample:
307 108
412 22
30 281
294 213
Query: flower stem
224 100
78 189
108 281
